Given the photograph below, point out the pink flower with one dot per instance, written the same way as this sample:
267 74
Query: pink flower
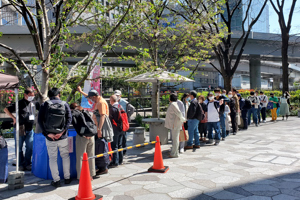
9 98
11 95
9 102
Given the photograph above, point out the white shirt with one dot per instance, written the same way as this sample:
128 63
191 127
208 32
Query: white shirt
263 98
212 113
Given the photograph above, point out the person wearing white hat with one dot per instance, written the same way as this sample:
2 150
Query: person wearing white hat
129 109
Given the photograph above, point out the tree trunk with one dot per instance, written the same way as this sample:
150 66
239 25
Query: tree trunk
154 100
285 63
227 82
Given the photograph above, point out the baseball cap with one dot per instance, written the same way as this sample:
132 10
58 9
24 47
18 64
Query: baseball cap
239 95
118 92
92 93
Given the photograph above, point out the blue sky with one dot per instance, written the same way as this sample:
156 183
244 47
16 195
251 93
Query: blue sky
274 25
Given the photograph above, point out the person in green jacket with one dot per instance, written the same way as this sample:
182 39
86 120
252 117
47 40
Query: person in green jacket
274 100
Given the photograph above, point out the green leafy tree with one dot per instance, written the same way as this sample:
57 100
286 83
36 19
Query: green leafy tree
54 41
163 39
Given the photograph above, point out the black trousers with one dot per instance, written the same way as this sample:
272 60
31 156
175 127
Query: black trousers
263 113
245 118
233 121
202 127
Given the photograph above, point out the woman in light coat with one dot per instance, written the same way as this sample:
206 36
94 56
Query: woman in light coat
284 106
173 121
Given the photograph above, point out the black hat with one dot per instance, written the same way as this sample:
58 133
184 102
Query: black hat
92 93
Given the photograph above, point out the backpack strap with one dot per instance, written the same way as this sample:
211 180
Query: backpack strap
49 102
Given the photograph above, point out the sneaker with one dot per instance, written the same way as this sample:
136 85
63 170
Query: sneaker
216 143
223 139
102 172
234 133
68 181
197 146
256 125
181 150
188 147
55 184
227 133
209 142
264 121
28 168
113 165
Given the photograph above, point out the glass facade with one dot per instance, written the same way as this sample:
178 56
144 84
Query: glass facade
262 25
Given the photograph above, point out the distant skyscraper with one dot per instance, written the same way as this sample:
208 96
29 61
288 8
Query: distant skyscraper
262 25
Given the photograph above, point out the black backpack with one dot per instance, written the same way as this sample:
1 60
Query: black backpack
55 117
247 105
84 124
199 112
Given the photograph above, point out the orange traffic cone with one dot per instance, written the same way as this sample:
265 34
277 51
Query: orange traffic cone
158 164
85 191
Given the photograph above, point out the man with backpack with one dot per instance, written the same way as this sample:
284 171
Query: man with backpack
254 106
129 110
213 119
54 119
116 121
85 139
194 115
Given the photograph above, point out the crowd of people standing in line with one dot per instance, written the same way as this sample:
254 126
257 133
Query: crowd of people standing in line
198 115
218 109
94 132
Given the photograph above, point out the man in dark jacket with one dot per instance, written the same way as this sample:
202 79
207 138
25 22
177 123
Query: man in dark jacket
222 114
193 122
55 141
116 122
27 111
244 111
233 112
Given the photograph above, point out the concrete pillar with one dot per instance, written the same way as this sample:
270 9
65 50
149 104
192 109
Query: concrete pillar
276 83
255 72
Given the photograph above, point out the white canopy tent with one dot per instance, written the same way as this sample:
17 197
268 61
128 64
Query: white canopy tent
157 77
9 82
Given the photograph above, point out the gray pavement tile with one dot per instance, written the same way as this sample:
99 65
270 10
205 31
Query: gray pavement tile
123 197
153 196
286 185
227 195
102 191
185 193
203 197
256 198
238 190
284 197
284 160
138 192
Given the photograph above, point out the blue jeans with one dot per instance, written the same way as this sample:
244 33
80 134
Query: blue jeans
245 118
28 139
258 114
193 132
252 111
223 126
216 126
117 144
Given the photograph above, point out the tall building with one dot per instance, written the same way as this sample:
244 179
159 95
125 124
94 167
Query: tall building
262 25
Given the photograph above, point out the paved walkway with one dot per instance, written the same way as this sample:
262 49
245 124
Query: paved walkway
262 163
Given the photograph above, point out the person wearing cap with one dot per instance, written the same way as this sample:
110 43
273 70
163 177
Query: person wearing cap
254 102
275 101
55 141
129 109
101 110
193 122
213 119
222 113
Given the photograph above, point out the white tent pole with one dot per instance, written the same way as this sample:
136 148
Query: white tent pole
158 96
17 128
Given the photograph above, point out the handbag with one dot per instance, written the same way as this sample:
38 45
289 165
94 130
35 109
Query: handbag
107 130
183 135
203 121
270 106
